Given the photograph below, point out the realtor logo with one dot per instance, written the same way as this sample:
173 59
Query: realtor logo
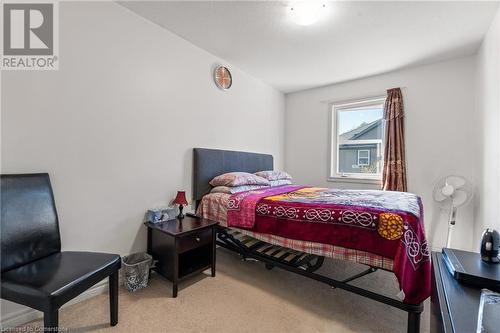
29 36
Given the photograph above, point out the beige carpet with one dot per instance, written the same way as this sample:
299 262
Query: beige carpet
244 297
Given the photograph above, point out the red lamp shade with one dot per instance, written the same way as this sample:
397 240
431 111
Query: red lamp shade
180 199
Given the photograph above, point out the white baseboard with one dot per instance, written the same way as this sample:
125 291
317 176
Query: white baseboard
27 314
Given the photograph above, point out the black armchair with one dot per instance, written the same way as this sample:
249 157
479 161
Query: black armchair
35 272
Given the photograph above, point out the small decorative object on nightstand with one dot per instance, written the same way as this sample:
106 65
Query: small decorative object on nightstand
180 199
490 246
183 247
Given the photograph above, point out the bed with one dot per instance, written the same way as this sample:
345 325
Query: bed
264 225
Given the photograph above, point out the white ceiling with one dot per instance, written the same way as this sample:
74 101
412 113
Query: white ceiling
354 40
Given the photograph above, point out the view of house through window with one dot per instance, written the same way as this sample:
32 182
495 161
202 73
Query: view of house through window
357 139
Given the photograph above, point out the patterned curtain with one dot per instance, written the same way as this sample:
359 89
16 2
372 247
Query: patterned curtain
394 174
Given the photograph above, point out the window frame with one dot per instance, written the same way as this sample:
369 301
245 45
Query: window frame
367 157
333 174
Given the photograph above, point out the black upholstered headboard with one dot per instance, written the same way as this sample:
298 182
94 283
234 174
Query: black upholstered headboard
208 163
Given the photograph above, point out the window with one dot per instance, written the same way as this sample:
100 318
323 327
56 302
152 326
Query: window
357 139
363 157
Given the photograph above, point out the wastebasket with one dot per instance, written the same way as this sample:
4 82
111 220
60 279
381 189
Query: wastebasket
136 270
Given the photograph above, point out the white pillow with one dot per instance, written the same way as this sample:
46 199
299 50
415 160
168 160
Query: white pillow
280 182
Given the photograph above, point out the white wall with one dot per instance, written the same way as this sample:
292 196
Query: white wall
115 125
488 106
440 138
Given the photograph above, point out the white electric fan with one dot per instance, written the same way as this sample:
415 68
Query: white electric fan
452 192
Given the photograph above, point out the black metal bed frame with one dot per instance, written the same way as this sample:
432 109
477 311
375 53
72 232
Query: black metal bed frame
208 163
306 265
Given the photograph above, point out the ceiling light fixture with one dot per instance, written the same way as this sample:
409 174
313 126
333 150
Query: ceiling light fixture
306 12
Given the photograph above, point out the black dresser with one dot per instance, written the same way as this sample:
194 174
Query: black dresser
455 306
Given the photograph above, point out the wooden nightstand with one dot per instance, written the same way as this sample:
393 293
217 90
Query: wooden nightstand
182 247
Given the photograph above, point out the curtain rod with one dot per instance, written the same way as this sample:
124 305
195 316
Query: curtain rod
358 99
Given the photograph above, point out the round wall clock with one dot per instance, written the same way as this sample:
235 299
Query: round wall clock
223 78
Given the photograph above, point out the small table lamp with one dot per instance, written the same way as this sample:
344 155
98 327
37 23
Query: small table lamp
180 199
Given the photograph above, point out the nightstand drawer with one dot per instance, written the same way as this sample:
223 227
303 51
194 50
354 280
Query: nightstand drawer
195 240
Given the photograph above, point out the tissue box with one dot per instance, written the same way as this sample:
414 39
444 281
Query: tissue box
157 215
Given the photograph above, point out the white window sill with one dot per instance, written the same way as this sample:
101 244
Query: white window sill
371 181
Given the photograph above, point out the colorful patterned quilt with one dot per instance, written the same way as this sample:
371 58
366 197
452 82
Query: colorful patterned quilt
386 223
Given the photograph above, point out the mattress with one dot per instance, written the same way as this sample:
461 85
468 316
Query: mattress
214 206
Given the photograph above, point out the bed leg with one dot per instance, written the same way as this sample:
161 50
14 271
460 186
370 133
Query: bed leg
269 266
413 322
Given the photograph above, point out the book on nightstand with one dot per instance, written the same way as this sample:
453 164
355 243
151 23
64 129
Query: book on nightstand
468 267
